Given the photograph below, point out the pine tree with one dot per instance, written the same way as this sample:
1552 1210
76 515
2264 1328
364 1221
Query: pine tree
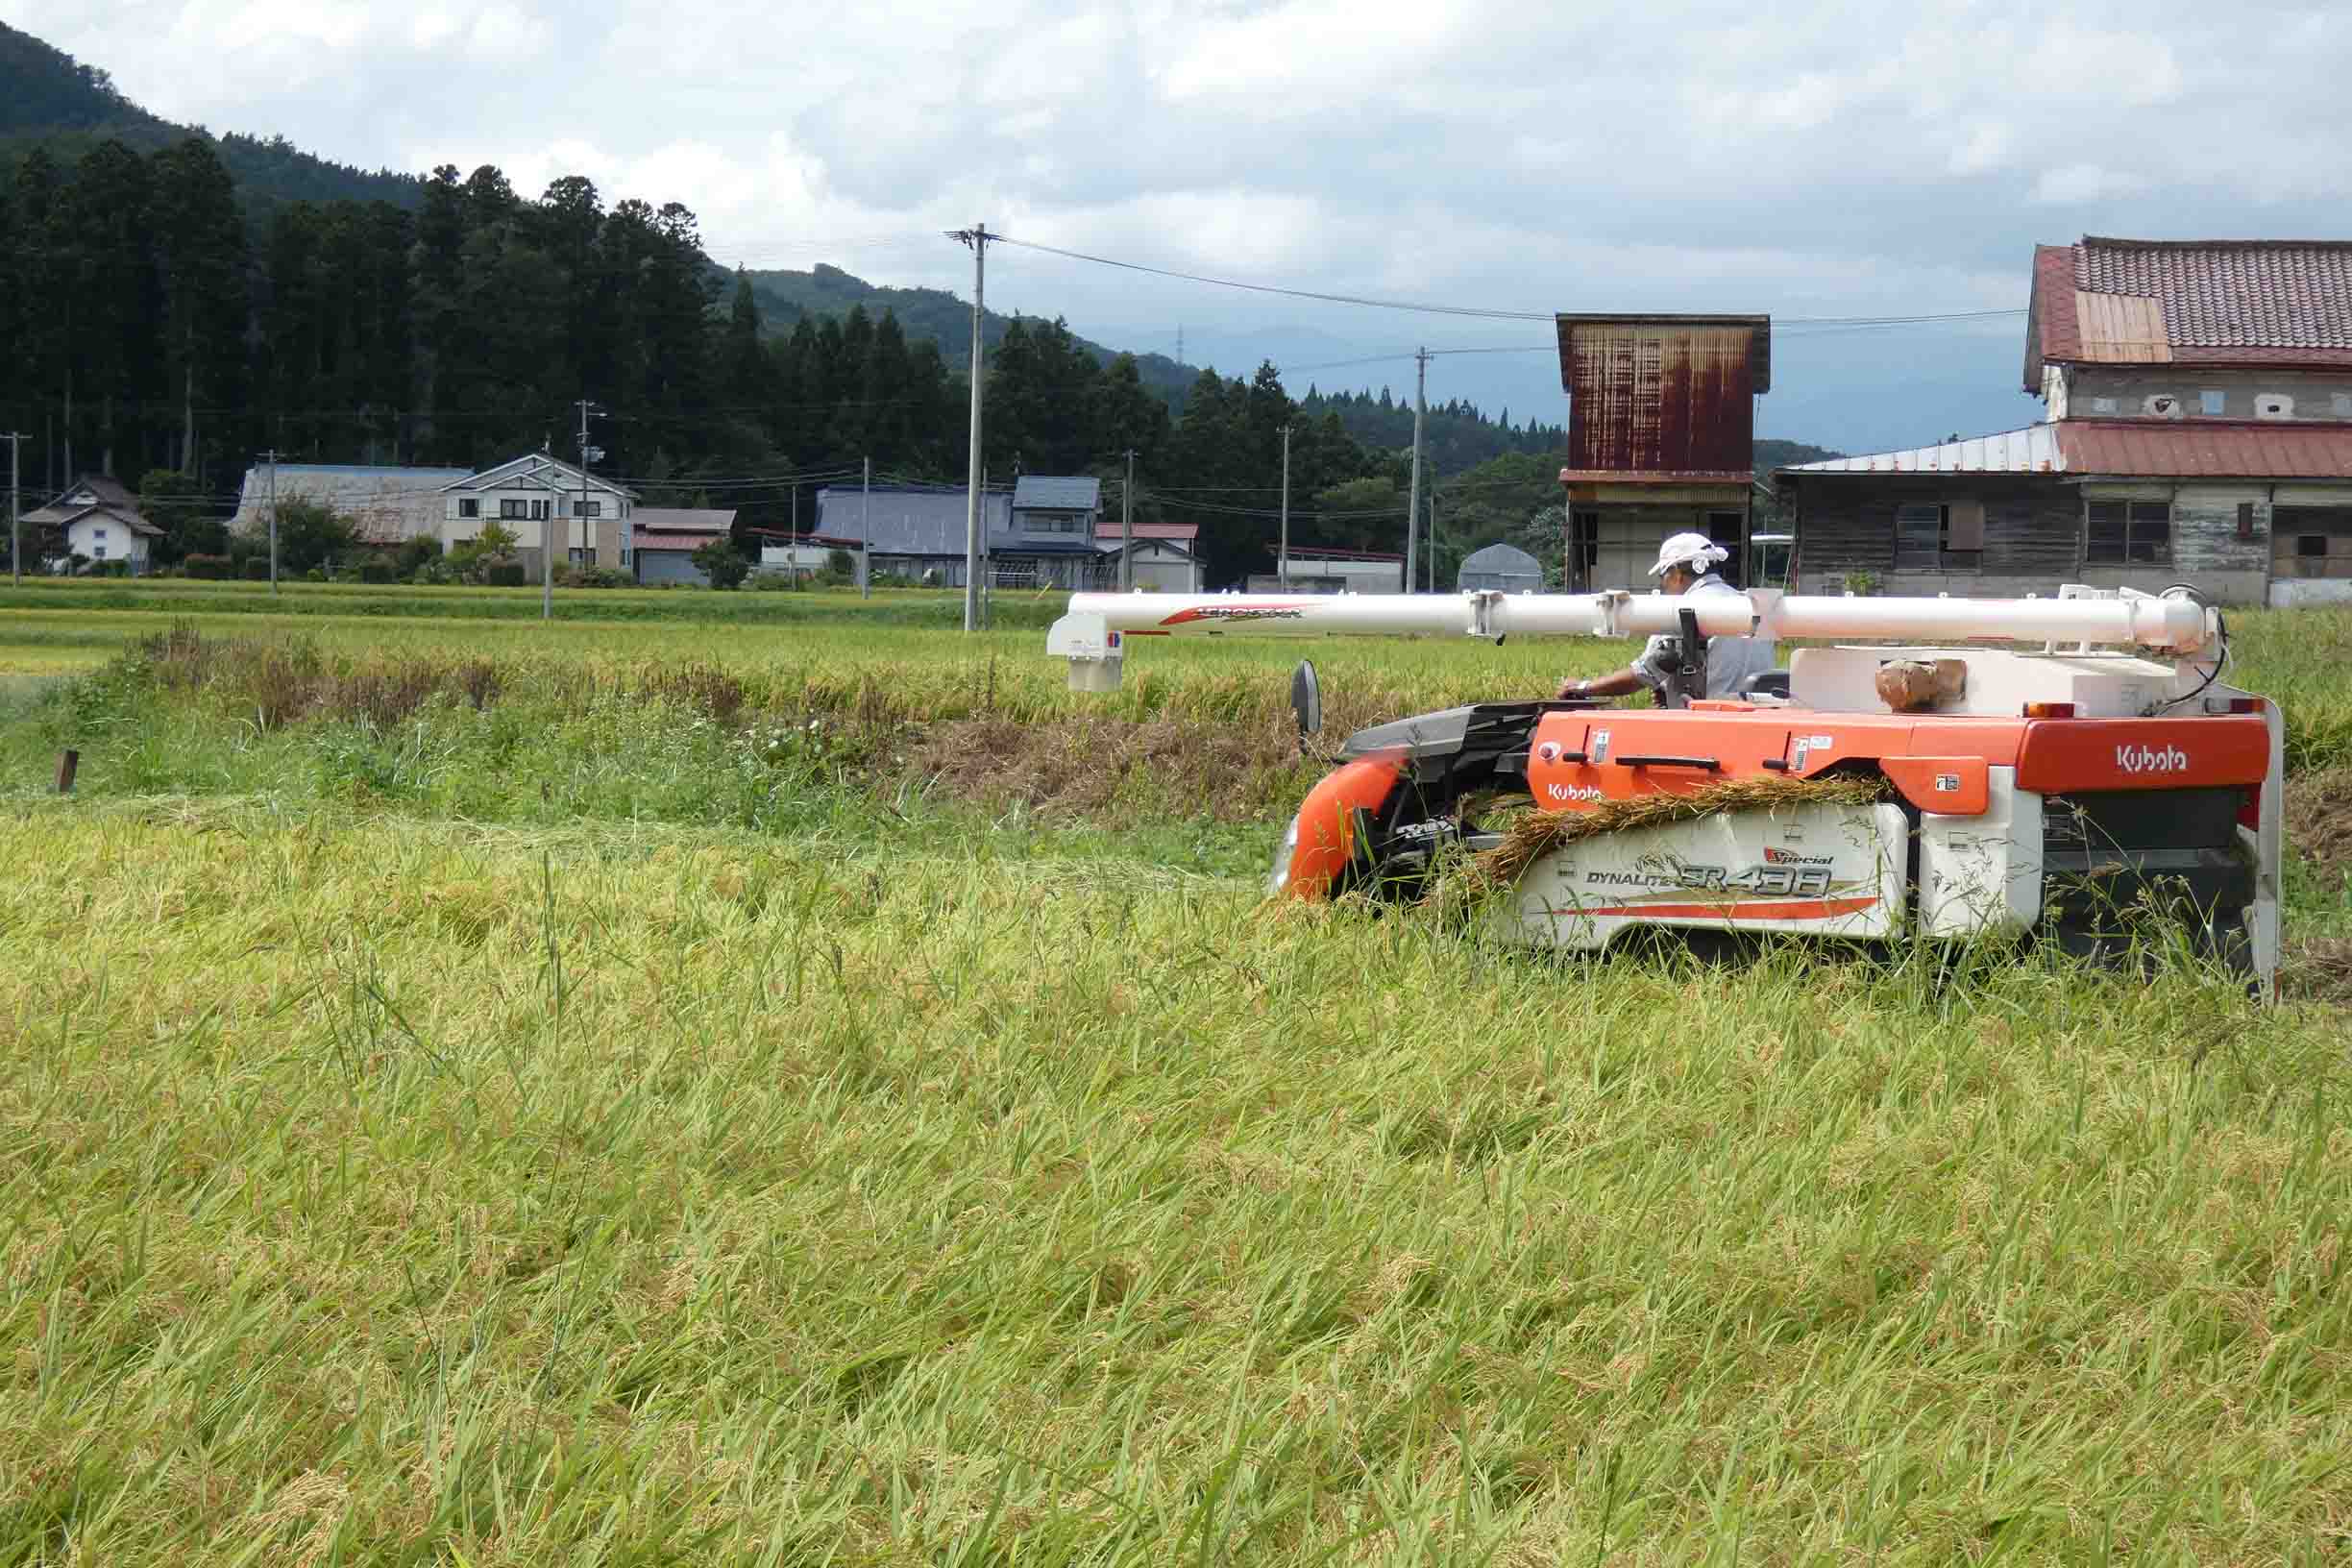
200 240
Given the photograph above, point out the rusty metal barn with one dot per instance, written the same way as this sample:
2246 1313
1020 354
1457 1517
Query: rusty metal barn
1661 428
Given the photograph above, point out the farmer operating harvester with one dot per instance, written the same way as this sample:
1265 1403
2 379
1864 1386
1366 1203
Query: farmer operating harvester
2089 781
1686 566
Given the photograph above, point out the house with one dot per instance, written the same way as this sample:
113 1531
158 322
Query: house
386 506
664 539
1051 543
96 519
913 531
1320 570
2198 429
1661 428
540 498
1166 558
1501 569
802 555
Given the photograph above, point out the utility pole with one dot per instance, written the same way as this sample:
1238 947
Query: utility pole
580 515
16 441
271 458
1282 561
866 531
977 237
1412 505
1126 576
1433 538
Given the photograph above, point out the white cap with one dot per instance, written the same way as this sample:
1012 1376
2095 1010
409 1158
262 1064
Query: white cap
1695 551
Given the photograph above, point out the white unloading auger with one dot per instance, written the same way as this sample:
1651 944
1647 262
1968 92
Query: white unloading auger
1092 634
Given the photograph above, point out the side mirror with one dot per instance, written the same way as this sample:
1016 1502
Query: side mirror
1306 698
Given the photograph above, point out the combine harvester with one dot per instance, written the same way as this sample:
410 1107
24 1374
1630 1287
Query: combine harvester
2090 773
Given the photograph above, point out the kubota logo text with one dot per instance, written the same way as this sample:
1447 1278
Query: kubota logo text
2143 759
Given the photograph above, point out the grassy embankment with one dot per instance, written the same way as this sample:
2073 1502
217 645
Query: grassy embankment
605 1124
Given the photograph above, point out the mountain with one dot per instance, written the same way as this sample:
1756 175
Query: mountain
930 314
1457 435
1771 455
50 100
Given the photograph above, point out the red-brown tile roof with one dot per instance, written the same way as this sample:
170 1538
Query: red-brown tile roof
2231 294
2244 301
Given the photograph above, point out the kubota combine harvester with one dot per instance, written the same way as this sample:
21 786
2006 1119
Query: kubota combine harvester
2087 779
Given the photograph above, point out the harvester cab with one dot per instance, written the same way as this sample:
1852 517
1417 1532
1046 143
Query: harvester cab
2071 767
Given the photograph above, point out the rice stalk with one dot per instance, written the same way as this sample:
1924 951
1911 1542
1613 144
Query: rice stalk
1461 889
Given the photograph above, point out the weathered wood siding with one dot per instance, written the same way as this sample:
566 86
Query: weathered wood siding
2033 536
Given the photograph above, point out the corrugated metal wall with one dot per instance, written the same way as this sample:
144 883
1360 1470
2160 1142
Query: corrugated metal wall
1662 400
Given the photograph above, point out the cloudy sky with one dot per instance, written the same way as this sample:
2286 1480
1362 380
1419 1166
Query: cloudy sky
1807 159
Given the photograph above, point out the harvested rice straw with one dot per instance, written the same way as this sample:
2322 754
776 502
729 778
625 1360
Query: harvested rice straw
1457 891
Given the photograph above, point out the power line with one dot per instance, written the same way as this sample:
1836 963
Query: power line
1270 288
1479 312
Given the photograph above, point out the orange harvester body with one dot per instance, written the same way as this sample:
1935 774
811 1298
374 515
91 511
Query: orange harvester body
2093 774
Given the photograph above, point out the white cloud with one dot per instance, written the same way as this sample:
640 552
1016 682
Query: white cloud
2075 185
1816 160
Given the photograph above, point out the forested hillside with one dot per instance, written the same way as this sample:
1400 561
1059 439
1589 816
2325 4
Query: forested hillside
140 331
175 305
50 101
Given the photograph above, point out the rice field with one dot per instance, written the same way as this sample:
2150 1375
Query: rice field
722 1090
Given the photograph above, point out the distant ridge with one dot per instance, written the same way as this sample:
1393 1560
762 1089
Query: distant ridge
52 101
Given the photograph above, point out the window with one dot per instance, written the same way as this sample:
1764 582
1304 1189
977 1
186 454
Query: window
2305 540
539 511
1939 536
2128 533
98 551
2102 406
1584 528
1727 530
591 508
468 508
98 534
580 558
2213 401
509 507
2340 403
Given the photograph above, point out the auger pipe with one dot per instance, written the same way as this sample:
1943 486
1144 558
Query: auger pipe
2175 623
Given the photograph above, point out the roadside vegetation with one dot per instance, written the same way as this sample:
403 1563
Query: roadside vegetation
820 1092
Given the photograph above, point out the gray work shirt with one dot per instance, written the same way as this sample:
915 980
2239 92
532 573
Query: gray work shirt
1730 660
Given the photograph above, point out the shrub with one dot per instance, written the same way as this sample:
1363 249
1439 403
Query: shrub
375 569
840 563
723 563
257 569
503 575
414 555
769 582
212 567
